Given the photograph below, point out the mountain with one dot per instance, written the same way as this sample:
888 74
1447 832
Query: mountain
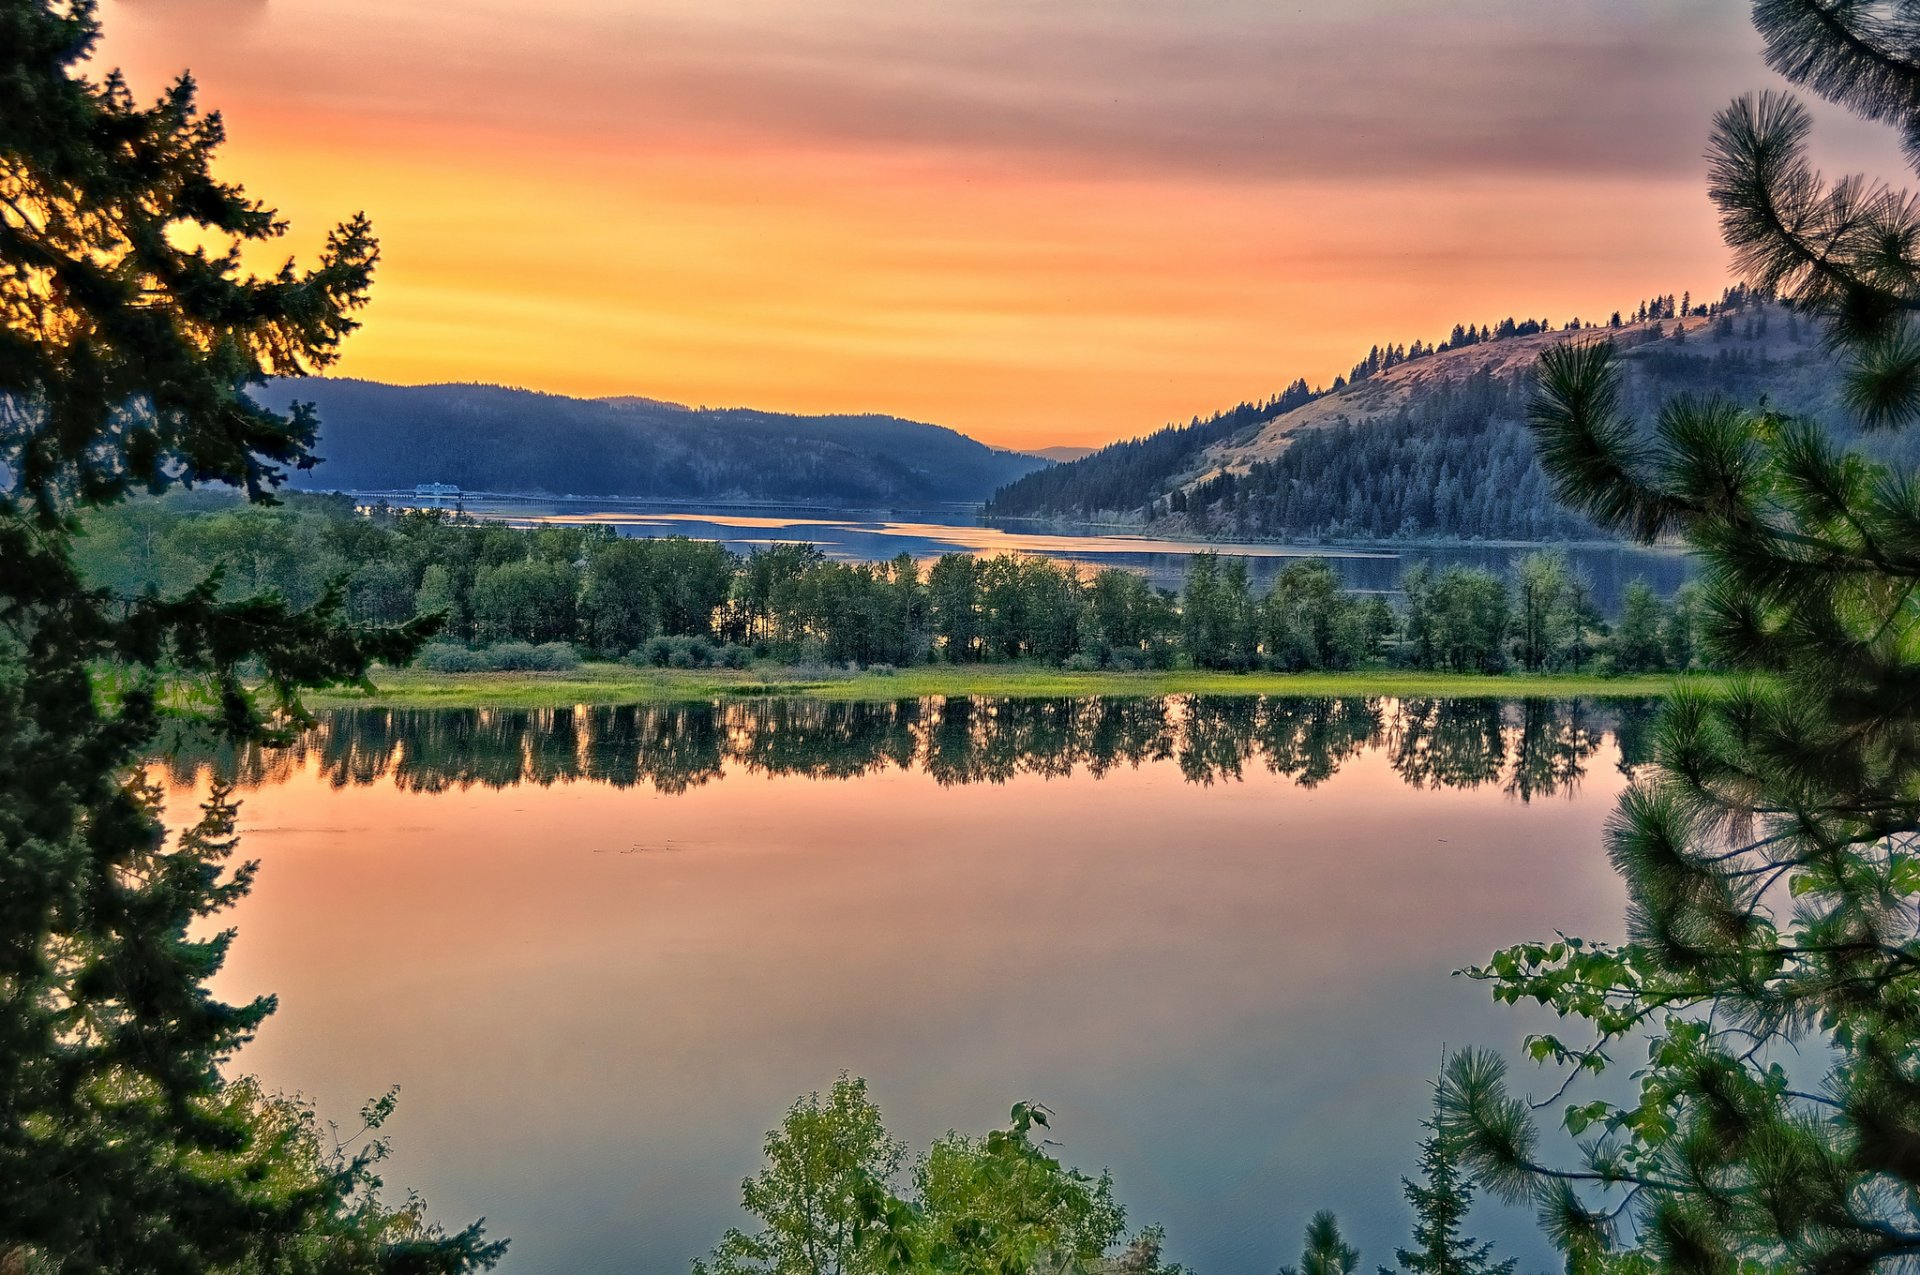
1427 446
378 437
1061 453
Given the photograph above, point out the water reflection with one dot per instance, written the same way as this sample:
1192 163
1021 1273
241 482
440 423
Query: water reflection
1526 748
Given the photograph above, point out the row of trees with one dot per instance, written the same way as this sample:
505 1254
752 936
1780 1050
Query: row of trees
1526 748
608 594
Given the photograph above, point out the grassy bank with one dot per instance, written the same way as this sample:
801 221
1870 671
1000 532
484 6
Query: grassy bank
619 684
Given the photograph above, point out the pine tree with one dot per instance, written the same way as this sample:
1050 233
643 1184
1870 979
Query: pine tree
124 358
1440 1202
1326 1251
1769 851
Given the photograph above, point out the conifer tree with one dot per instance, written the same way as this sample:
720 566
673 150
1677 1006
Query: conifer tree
124 358
1440 1202
1326 1251
1769 855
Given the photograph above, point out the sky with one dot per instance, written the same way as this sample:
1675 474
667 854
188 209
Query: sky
1041 222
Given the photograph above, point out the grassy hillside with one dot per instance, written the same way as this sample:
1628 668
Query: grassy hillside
1428 446
489 438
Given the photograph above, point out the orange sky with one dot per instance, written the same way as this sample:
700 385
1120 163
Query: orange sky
1039 223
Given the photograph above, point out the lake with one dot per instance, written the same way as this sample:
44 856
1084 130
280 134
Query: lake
602 950
857 536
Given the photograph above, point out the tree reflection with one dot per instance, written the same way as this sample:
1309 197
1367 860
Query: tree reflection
1527 748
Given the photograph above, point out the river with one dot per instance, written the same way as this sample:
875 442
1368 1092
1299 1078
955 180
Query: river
926 534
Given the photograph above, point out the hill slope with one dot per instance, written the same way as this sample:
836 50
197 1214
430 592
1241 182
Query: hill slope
489 438
1433 447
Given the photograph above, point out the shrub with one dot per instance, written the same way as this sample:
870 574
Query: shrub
1080 662
555 657
688 652
508 657
505 657
449 657
654 651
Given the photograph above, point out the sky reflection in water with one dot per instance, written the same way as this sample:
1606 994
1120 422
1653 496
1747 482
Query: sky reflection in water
601 950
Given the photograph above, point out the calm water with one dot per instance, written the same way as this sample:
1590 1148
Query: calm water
862 537
601 950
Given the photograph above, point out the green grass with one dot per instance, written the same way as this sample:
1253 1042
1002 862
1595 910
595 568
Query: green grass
619 684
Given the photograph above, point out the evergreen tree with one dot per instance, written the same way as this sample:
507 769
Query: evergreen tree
1440 1202
1768 854
1326 1251
124 357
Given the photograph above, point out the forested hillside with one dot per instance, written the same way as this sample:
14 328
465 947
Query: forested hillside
1426 442
378 437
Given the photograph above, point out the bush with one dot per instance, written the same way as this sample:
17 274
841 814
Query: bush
1080 662
555 657
448 657
506 657
687 652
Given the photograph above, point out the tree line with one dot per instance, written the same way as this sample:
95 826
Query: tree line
1124 476
674 600
1527 748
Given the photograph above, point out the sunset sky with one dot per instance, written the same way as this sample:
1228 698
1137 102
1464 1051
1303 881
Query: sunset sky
1038 222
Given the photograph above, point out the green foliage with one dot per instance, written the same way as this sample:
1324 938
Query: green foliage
994 1205
530 599
1456 619
829 1167
502 657
123 356
1326 1251
1771 972
1637 646
1440 1202
612 596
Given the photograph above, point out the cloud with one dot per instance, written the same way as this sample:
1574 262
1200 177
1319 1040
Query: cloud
1219 89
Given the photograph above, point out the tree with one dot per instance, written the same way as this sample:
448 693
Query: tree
1217 613
826 1164
1440 1202
1768 853
123 360
1002 1204
1543 620
1636 645
1326 1251
618 606
993 1205
953 603
531 600
1456 619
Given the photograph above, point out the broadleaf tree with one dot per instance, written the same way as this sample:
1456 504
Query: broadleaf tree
130 329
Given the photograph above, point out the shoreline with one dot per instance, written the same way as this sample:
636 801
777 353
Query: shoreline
599 684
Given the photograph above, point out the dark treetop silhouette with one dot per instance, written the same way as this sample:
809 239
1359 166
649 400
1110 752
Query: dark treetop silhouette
123 361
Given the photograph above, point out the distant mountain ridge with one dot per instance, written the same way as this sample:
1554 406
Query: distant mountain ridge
376 437
1429 447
